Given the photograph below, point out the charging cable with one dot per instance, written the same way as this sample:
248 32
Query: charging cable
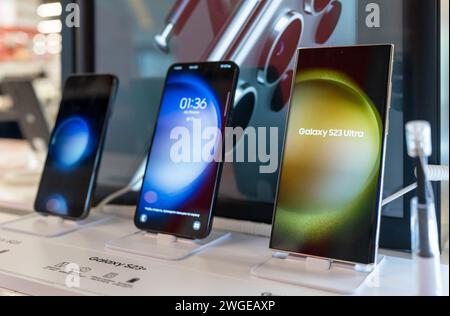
435 174
131 187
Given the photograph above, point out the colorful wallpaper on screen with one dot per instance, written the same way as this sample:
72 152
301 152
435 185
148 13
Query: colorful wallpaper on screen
75 147
177 196
329 186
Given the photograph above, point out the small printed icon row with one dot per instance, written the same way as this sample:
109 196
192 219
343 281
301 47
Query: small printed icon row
196 226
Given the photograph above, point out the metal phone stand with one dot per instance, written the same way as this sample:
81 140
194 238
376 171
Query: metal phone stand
51 226
164 247
321 274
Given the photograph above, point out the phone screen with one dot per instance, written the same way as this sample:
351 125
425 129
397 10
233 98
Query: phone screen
329 193
75 146
184 164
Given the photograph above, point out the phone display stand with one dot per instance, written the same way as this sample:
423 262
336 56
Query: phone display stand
51 226
314 273
164 247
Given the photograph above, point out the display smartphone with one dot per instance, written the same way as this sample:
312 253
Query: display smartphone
184 166
76 146
329 194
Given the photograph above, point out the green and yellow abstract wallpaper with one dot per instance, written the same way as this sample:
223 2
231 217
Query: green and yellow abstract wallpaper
327 204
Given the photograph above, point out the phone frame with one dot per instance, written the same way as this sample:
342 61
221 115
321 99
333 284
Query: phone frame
377 220
99 151
227 112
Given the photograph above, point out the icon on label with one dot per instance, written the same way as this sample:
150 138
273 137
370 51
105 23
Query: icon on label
85 269
110 275
144 218
197 225
62 265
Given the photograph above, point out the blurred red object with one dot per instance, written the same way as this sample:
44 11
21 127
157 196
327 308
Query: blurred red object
15 42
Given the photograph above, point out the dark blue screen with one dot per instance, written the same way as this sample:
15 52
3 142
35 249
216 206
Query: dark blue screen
75 147
184 162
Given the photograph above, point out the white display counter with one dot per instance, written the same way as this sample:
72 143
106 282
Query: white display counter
37 266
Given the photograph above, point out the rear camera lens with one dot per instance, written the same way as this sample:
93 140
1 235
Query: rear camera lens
284 52
281 48
316 7
320 5
328 23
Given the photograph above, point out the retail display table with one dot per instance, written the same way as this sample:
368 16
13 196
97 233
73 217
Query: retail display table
34 265
37 266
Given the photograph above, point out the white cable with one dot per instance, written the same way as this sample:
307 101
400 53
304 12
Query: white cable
117 194
399 194
438 173
112 197
434 174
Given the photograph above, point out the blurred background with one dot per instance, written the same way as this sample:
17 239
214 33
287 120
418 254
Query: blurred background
30 49
138 39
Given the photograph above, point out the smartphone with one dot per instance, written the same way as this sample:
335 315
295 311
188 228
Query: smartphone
330 189
76 146
184 166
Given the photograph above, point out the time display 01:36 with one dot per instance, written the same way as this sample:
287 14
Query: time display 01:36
193 104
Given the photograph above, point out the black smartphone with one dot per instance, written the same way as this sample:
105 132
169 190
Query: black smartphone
331 183
184 165
76 146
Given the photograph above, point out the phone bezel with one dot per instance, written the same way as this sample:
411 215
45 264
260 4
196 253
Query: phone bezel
99 152
228 107
377 220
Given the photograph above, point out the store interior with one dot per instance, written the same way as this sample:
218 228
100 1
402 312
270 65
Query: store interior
39 50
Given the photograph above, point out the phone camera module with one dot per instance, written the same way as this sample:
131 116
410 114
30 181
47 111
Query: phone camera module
328 23
316 7
280 48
